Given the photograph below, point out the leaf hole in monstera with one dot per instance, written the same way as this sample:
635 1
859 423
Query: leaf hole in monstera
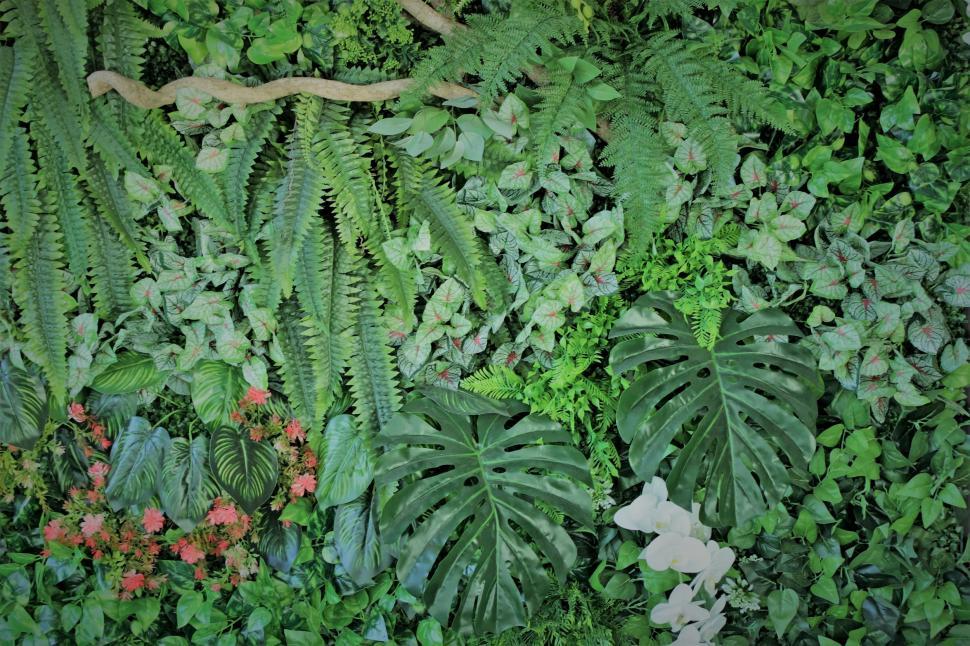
471 482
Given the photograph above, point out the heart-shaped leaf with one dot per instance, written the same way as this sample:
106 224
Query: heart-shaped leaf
131 372
186 488
217 388
23 406
247 470
279 545
136 460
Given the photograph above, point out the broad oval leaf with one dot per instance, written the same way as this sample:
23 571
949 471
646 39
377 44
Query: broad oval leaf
357 539
732 408
217 388
247 470
136 460
479 479
186 488
131 372
279 545
23 406
347 465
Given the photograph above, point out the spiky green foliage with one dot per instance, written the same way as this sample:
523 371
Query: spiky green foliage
558 111
15 71
242 158
301 374
298 196
112 270
65 24
373 377
115 207
498 50
496 382
161 145
121 43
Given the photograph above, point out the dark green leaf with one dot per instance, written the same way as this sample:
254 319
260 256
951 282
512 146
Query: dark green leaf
346 463
247 470
23 406
129 373
136 460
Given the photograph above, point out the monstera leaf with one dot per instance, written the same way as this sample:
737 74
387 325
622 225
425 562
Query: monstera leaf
136 460
481 473
730 409
247 470
186 488
23 406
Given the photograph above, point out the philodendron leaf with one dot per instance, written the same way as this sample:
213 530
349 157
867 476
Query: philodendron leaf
217 388
479 478
278 544
247 470
347 465
131 372
23 406
733 407
136 460
186 487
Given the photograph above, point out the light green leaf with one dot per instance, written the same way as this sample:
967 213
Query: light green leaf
247 470
346 463
217 388
186 488
23 406
130 373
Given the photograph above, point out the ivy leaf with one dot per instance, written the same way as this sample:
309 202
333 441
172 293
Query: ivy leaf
247 470
281 38
131 372
23 406
782 608
217 388
346 463
136 460
897 157
186 488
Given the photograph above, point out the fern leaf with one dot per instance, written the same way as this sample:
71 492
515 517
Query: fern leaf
325 288
298 197
242 158
15 72
114 205
373 378
162 145
65 24
638 180
558 111
61 186
112 271
18 187
108 138
300 378
497 382
121 42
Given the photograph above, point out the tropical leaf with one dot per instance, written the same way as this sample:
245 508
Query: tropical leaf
136 460
346 463
278 544
247 470
736 405
23 406
217 388
186 488
15 66
480 474
356 537
131 372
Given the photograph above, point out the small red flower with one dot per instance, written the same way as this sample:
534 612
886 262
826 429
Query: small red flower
256 396
192 554
152 520
295 431
133 581
222 514
91 524
76 412
303 484
53 531
199 574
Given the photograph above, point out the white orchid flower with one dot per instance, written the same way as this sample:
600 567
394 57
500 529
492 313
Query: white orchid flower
698 529
720 560
669 517
713 624
639 514
679 609
678 552
690 636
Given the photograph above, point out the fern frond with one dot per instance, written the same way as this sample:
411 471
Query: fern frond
115 206
112 271
61 186
373 377
497 382
65 24
108 138
498 50
747 98
15 72
18 190
301 381
325 289
665 8
557 112
298 196
162 145
242 158
121 43
639 179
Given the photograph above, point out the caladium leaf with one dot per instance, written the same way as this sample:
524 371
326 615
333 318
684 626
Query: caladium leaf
955 290
743 400
690 157
927 335
480 474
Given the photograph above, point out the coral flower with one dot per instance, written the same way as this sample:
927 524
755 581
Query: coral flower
295 431
76 412
53 531
303 484
133 581
256 396
222 514
91 524
192 554
152 520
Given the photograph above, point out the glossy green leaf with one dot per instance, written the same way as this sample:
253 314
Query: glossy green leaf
130 373
217 388
186 487
247 470
743 401
357 537
346 462
136 461
23 406
278 544
479 479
